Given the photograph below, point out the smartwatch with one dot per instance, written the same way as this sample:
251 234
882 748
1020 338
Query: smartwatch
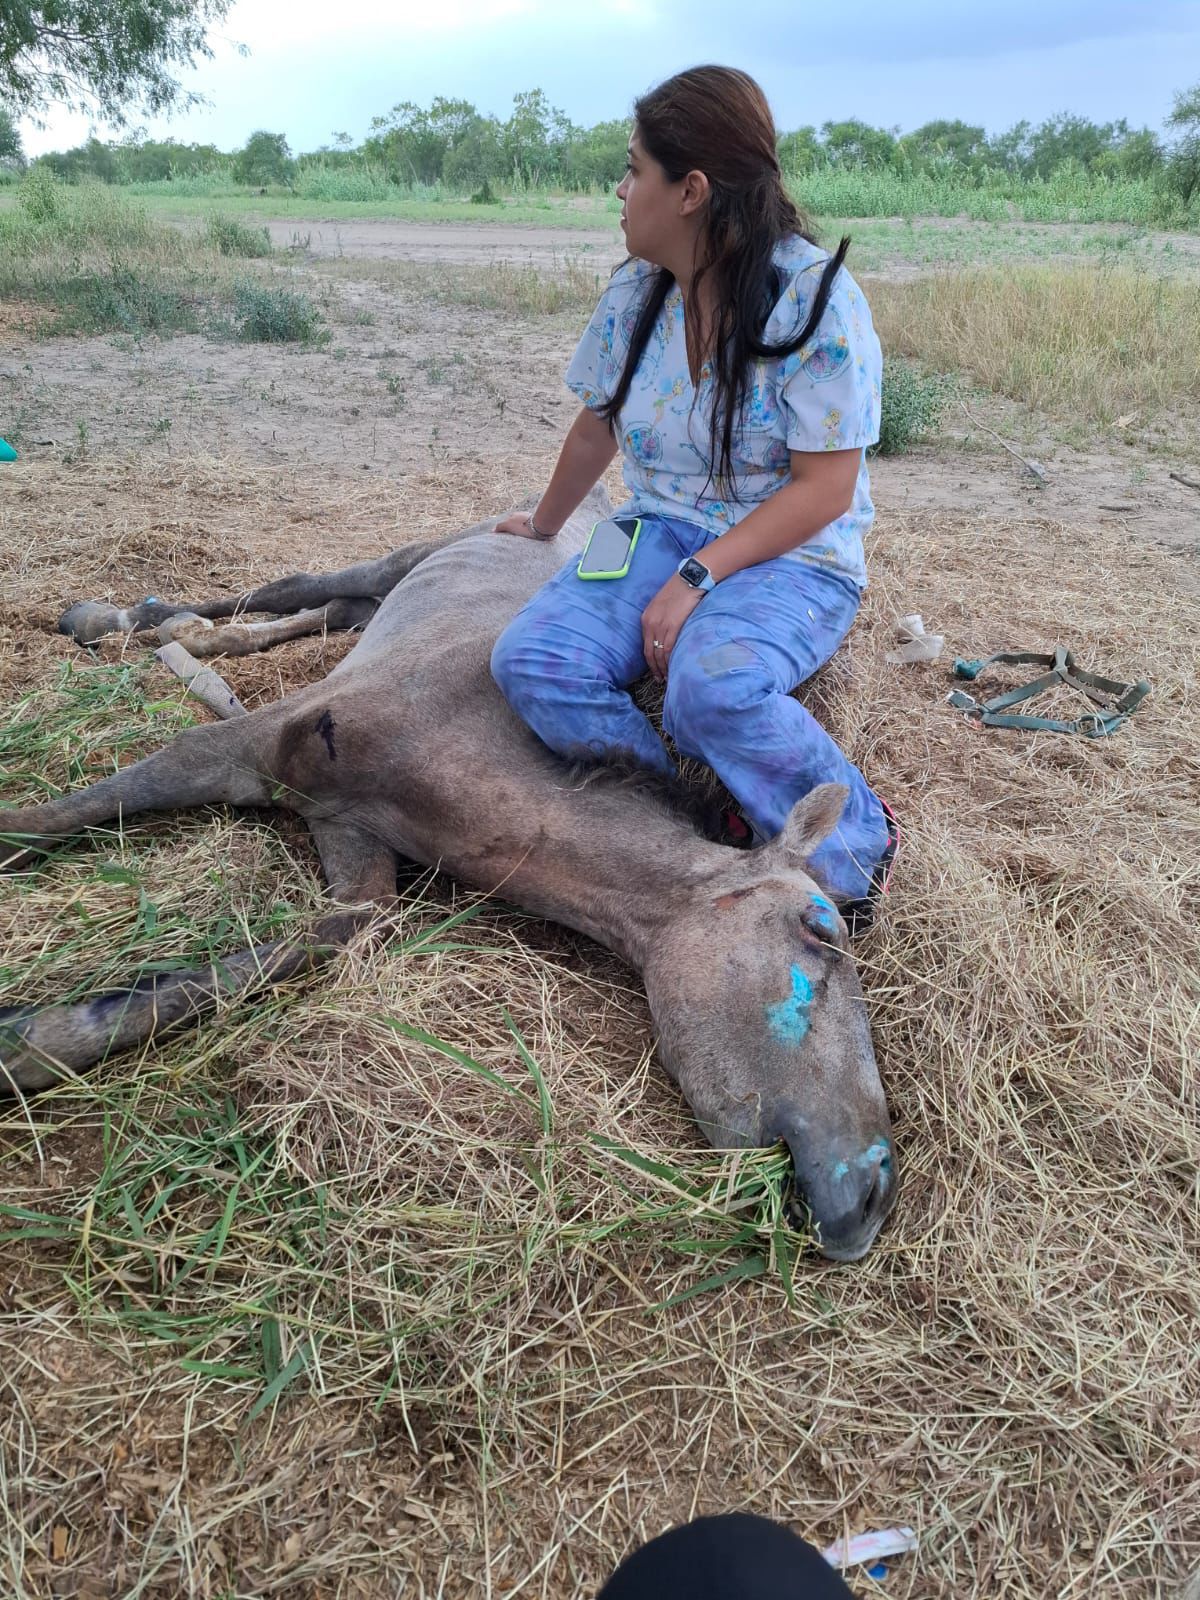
696 574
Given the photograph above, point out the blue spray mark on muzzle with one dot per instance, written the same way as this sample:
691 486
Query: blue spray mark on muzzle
791 1019
878 1153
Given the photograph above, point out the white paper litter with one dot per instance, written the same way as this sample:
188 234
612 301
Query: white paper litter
914 644
875 1546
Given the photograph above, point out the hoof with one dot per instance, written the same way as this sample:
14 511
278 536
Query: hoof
22 1070
182 623
91 620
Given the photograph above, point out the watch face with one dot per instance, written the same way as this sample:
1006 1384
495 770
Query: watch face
693 572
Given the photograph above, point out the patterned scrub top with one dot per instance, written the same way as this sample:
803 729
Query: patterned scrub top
823 397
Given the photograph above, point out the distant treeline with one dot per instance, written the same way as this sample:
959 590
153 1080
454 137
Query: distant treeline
452 144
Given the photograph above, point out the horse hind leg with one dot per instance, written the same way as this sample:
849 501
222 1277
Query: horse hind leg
366 581
245 638
89 621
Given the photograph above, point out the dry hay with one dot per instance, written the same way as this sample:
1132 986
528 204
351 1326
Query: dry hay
1055 338
460 1296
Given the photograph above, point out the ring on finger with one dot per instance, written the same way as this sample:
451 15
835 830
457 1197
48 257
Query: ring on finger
656 643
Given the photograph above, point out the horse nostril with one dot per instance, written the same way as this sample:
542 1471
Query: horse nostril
871 1202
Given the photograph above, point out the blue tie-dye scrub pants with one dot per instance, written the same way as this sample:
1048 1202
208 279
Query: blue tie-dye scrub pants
566 660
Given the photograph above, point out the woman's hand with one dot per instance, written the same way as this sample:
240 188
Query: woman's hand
662 620
519 523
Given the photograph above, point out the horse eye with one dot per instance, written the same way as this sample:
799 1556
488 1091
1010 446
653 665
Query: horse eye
821 919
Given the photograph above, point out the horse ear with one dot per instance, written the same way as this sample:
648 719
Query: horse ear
812 820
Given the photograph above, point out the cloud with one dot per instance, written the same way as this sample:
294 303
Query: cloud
313 69
811 36
271 24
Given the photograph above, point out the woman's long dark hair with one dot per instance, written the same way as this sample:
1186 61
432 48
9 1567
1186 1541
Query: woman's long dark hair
717 120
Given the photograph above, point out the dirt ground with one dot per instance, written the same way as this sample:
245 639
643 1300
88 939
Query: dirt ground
1051 1428
406 385
386 240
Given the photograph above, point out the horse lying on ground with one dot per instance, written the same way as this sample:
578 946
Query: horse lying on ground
407 749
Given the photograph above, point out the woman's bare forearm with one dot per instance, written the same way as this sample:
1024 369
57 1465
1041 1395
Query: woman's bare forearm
586 452
821 490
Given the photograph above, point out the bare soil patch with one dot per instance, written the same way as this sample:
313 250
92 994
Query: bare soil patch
408 385
443 242
401 386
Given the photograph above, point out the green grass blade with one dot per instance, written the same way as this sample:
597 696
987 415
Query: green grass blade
750 1267
279 1382
453 1053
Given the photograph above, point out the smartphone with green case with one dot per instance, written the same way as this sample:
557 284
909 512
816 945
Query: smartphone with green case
609 550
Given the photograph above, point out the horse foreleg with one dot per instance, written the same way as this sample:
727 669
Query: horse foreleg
40 1046
220 762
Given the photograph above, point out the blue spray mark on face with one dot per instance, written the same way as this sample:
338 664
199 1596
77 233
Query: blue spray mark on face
842 1170
825 915
790 1019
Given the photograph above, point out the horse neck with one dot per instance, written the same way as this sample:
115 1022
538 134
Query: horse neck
614 864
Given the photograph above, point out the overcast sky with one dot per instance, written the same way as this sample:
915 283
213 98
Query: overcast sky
316 69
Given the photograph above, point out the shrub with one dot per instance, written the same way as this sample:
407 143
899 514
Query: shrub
99 261
275 316
912 405
122 300
317 181
217 180
1068 195
72 221
39 196
230 237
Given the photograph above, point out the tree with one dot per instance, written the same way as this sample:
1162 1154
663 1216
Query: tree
801 150
11 154
536 137
596 156
1185 155
264 159
338 155
857 144
90 160
1011 150
477 158
960 142
414 143
104 58
1138 154
1067 137
152 160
